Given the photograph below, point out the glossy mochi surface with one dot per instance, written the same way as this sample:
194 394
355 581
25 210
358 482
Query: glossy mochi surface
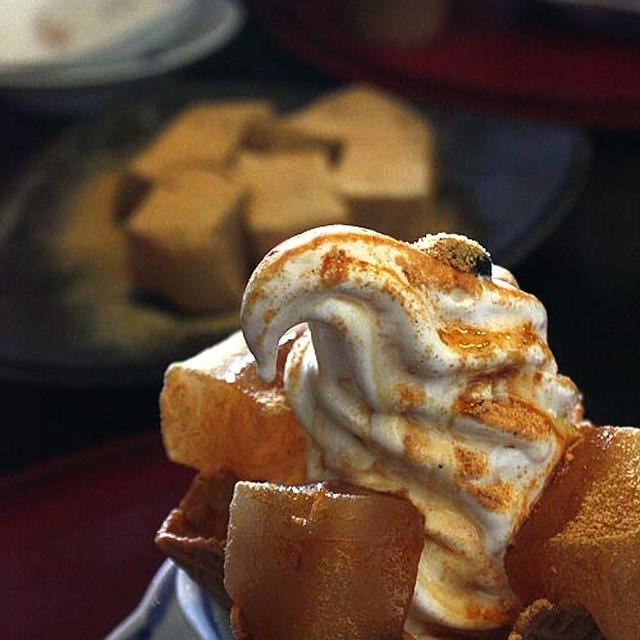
321 562
582 541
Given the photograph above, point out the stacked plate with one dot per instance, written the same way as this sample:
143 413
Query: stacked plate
55 50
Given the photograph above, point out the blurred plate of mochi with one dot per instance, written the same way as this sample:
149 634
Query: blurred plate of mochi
71 314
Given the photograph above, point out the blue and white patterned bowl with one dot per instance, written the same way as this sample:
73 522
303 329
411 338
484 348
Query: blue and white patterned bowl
174 606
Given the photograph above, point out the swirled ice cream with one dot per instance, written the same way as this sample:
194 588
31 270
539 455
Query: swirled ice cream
426 372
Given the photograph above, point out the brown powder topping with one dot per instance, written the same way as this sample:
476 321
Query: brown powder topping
616 497
582 538
499 614
335 267
417 446
507 414
493 497
472 341
458 252
408 396
421 270
470 464
424 272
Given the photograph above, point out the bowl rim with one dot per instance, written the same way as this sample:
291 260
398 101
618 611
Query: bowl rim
213 25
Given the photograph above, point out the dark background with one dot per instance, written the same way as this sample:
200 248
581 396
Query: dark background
587 272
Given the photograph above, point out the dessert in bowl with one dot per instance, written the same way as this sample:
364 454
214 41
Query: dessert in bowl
376 452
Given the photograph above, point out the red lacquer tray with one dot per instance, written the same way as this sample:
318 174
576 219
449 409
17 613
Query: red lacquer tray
77 538
523 69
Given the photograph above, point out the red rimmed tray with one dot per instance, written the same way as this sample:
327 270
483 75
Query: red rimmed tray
527 69
77 539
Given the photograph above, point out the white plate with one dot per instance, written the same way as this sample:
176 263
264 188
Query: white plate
175 607
211 25
39 35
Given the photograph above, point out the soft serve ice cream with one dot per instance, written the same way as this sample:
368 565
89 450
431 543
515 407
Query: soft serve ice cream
425 372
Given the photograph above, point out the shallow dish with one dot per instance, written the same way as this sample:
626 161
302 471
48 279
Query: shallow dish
511 180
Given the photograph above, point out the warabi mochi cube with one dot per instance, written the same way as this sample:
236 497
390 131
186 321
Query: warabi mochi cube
321 562
217 414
